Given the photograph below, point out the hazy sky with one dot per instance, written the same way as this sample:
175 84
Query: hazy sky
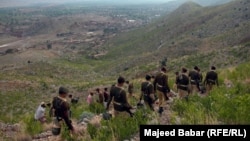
63 1
11 3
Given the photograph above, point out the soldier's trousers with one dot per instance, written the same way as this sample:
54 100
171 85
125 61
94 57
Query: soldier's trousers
122 109
149 102
175 88
182 93
194 89
209 87
161 97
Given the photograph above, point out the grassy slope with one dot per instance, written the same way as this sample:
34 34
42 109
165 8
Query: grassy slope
223 106
19 105
133 48
81 74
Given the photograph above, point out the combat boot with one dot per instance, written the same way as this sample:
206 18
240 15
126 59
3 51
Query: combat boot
160 111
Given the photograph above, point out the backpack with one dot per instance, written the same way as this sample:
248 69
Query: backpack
146 93
57 107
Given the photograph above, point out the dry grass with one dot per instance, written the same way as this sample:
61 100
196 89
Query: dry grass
47 126
22 137
247 81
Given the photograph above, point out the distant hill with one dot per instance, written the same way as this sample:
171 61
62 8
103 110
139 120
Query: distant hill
211 2
190 29
172 5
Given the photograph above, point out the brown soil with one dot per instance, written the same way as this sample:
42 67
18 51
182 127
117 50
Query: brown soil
15 85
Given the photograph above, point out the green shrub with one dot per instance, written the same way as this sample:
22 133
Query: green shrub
65 134
222 106
32 127
97 108
92 130
119 128
77 109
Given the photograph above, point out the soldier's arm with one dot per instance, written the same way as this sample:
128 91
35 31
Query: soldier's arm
151 92
217 81
177 80
109 100
154 83
197 78
65 116
151 89
205 80
141 92
188 82
52 108
166 83
123 93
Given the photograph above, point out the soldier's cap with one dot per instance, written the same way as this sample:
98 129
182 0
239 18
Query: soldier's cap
184 70
196 68
164 69
63 90
213 68
121 79
148 77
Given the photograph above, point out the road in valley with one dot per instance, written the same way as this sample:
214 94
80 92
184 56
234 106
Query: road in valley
11 44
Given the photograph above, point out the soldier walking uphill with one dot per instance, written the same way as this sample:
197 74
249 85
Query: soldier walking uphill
183 84
119 97
147 92
161 87
194 80
211 79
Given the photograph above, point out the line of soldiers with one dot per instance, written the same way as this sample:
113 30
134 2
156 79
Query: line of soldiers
187 83
192 82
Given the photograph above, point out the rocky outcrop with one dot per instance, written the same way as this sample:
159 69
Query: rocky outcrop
9 130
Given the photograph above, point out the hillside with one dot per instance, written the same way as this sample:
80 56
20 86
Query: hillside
18 104
190 29
211 2
190 35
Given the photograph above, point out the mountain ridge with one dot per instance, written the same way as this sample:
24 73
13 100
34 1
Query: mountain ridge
200 30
